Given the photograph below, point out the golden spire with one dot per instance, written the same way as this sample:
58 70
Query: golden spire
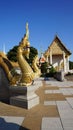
27 30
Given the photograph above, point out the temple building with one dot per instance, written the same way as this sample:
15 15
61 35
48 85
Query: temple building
58 55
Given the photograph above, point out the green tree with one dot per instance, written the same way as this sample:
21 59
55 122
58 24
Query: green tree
44 67
52 71
33 53
12 54
70 65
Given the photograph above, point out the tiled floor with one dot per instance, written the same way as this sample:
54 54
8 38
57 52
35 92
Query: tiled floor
52 123
65 108
55 111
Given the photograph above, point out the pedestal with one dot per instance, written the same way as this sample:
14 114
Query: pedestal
24 102
23 96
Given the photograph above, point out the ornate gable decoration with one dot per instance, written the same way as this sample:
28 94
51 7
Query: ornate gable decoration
57 48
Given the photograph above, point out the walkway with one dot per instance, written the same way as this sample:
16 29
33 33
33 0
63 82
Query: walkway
64 107
55 111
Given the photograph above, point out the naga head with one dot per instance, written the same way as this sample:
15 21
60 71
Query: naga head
25 46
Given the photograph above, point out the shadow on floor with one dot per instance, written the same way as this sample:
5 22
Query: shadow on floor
10 126
46 78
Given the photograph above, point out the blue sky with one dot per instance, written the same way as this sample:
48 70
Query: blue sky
46 18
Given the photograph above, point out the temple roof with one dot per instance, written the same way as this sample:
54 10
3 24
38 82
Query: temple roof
57 47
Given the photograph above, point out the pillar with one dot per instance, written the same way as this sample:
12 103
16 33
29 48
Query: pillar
67 63
51 57
64 61
46 58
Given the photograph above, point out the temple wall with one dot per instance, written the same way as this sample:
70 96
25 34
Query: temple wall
57 59
59 64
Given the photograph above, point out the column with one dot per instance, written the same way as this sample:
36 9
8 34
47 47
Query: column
64 61
67 63
46 58
51 57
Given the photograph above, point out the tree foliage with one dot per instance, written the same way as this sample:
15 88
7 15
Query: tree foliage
12 54
70 65
33 53
44 67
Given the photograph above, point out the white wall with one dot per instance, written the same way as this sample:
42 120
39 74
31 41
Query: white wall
57 59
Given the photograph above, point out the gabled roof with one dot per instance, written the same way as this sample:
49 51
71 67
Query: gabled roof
57 47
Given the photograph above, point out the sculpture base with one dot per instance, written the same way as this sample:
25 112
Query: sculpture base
23 96
24 102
